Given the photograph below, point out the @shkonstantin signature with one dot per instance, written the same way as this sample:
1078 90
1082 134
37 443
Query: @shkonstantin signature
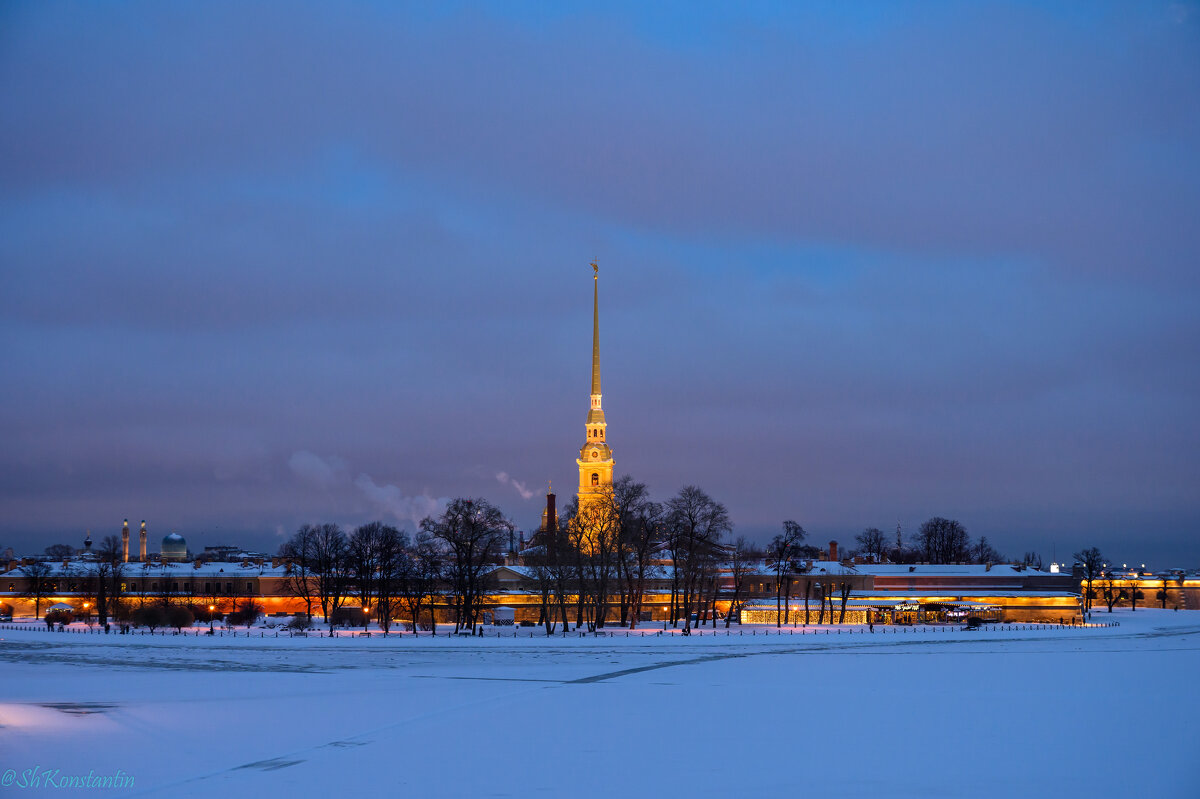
38 777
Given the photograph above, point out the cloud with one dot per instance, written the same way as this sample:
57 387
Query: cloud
320 472
390 499
504 479
944 253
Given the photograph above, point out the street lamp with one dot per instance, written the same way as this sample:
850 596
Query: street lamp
211 608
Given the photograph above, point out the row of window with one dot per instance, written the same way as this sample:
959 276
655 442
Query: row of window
596 432
208 587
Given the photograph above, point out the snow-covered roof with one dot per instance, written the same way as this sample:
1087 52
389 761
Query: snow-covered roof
83 568
945 569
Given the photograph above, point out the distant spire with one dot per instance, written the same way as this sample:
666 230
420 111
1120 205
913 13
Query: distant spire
595 328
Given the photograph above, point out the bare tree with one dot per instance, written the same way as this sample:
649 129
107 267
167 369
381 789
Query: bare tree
983 552
369 545
696 523
392 563
1162 594
110 569
331 570
594 533
565 569
844 588
165 591
741 566
538 561
1092 562
59 551
421 570
1032 560
1112 592
871 542
472 529
642 531
638 520
298 551
944 541
783 549
38 584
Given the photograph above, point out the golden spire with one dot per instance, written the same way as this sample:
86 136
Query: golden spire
595 329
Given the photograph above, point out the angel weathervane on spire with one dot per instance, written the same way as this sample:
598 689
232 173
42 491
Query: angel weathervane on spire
595 270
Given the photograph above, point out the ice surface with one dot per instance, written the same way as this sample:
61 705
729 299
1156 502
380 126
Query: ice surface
915 714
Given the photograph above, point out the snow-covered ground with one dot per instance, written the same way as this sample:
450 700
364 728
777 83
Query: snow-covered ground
917 714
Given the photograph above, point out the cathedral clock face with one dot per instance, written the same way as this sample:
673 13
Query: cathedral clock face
595 454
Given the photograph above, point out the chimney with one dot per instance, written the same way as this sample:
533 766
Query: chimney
142 543
833 551
551 511
125 542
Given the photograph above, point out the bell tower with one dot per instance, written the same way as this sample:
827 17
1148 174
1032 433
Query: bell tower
595 458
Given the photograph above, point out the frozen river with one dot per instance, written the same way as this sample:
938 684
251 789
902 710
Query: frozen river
995 713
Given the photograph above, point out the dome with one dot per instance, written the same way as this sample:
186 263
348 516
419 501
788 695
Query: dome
174 547
595 452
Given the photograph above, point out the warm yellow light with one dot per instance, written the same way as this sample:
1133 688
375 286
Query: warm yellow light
85 606
210 607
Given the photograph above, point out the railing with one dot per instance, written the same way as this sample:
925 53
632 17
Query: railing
539 632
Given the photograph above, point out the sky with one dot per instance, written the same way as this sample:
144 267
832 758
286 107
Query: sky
860 265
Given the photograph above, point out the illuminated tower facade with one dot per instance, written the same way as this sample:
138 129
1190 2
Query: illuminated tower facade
595 458
125 542
142 543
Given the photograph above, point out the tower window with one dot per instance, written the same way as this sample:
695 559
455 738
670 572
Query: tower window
595 479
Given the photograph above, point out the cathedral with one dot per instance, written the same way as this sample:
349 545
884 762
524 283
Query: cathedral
595 458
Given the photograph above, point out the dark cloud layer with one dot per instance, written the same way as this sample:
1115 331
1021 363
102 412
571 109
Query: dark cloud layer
260 266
